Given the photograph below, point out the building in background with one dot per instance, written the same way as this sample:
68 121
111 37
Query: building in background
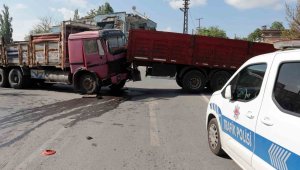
271 36
124 21
118 20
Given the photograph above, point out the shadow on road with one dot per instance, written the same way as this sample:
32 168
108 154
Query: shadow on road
143 94
76 110
55 87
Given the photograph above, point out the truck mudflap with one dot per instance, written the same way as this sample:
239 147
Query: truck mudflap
118 78
135 75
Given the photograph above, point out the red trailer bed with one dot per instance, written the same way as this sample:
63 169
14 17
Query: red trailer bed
195 60
174 48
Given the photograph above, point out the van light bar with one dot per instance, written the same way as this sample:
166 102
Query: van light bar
287 44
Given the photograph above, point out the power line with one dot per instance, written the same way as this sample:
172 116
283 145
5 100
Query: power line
191 16
194 26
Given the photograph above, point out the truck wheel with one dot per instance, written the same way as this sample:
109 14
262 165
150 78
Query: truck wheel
219 79
16 79
88 84
193 81
214 140
3 78
117 87
178 81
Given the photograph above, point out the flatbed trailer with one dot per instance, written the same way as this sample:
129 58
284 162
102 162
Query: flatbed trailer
195 61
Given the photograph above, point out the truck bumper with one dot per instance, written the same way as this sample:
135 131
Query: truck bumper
118 78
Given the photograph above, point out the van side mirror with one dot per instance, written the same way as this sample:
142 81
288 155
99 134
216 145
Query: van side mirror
228 94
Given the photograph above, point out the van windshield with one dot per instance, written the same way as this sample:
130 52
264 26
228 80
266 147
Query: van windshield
116 44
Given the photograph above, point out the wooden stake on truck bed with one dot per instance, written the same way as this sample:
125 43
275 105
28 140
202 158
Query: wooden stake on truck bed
63 47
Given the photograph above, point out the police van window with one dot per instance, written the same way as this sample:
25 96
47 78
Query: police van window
90 47
247 84
287 87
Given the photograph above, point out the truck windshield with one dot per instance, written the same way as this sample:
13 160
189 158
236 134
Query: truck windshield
116 44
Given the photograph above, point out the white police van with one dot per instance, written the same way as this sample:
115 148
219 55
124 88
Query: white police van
255 118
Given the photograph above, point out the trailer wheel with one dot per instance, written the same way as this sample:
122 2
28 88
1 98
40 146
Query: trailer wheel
16 79
179 81
219 79
117 87
88 84
193 81
3 78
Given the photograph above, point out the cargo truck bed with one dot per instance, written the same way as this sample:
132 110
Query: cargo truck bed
147 47
42 50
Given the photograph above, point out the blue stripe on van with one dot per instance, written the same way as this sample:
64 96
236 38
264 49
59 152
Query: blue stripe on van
272 153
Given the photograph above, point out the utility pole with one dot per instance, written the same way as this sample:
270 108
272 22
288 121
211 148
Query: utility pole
185 11
199 20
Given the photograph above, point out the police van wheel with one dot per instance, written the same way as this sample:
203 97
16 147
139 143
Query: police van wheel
214 140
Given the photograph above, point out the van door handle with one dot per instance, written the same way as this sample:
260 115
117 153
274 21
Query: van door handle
250 115
267 121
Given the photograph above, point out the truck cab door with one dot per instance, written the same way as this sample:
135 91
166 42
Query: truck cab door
277 138
95 58
240 113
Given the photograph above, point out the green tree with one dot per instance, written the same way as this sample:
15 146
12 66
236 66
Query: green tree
76 15
255 36
240 38
213 31
43 26
106 9
6 29
91 13
276 25
293 18
101 10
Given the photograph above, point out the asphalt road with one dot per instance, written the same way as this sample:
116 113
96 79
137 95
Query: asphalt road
153 124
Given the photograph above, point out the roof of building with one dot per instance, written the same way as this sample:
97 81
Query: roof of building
95 34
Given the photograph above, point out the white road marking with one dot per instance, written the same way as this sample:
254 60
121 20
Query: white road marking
154 138
205 98
48 143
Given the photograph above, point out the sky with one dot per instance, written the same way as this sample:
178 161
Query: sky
236 17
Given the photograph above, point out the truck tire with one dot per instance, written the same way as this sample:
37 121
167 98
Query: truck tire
213 135
218 80
88 84
193 81
3 78
117 87
179 81
16 78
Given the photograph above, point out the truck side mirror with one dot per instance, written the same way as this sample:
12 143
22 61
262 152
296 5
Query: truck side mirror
228 94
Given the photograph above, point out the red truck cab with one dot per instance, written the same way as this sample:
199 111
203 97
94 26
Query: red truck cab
97 58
